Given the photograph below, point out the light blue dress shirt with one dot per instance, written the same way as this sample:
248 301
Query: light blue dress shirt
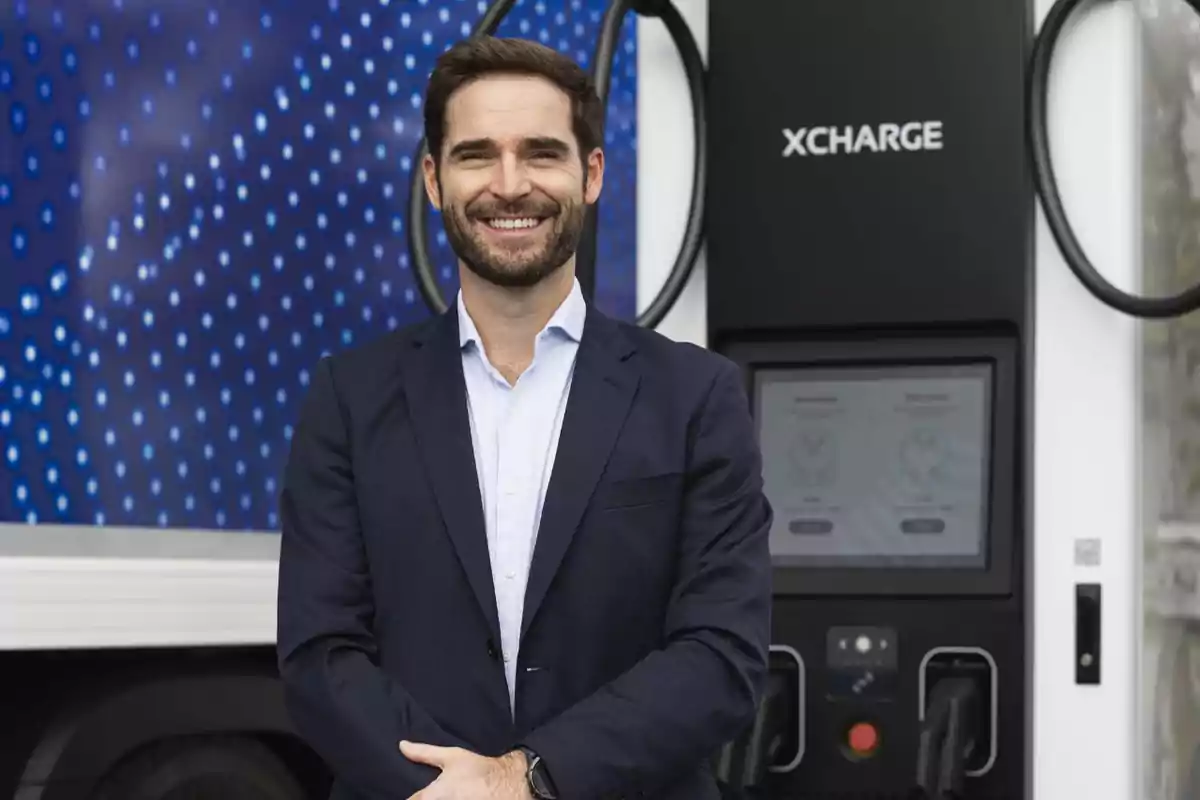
515 430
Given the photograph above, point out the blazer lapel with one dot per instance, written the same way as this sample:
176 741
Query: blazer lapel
602 390
437 399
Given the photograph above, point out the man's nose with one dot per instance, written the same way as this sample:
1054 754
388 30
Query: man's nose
511 178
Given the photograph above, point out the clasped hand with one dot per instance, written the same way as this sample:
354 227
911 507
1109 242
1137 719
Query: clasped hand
469 776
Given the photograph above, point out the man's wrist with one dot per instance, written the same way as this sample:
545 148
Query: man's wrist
512 776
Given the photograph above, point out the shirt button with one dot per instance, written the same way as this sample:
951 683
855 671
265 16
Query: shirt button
511 575
507 658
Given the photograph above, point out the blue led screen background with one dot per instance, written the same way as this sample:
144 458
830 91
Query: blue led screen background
199 199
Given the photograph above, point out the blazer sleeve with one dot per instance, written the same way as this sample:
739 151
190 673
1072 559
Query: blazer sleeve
350 712
674 709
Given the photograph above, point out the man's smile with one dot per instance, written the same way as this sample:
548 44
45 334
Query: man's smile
510 227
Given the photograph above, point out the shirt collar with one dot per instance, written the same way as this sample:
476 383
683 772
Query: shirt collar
568 318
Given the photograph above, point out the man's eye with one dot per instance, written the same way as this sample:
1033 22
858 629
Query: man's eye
545 154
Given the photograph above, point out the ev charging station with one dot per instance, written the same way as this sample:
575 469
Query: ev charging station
870 266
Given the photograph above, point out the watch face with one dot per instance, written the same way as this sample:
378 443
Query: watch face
538 782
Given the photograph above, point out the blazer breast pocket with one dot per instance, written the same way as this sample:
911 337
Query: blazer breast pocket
638 492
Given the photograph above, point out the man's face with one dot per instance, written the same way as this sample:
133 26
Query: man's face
512 186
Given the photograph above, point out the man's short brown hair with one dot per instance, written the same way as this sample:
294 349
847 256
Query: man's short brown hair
478 57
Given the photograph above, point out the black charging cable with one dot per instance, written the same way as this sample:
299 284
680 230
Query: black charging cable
694 74
947 739
1047 185
742 765
606 47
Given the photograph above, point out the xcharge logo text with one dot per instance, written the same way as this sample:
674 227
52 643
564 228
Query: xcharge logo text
887 137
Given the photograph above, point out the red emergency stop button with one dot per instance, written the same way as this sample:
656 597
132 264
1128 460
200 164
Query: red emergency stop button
862 738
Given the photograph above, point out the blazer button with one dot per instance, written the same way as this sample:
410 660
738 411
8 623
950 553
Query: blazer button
492 651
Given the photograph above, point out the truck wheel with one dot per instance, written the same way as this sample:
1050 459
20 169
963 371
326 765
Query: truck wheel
200 769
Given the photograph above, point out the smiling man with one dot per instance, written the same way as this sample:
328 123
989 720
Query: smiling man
524 544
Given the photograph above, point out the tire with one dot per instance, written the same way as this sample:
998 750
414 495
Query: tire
201 769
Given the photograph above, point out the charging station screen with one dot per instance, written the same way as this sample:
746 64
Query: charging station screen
880 467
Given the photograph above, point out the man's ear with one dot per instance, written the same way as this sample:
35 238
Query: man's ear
593 176
432 189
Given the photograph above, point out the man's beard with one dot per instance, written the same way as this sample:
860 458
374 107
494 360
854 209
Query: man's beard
520 268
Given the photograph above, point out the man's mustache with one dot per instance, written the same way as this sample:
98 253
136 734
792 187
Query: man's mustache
522 208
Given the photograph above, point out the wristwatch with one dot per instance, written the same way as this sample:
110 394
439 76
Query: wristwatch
538 777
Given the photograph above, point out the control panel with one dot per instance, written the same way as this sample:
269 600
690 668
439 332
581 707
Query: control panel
881 717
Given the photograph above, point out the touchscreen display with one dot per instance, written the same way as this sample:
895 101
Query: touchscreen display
876 467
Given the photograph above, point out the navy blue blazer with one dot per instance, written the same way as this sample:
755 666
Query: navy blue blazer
647 615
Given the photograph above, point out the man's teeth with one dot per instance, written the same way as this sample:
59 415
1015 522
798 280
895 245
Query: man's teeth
513 224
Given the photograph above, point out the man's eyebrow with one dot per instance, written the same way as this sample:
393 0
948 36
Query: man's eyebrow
472 146
546 143
477 146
